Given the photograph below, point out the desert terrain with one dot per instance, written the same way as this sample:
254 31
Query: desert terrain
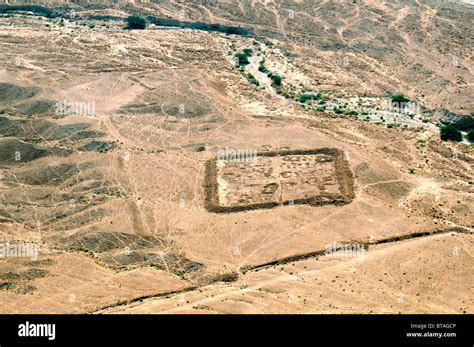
157 171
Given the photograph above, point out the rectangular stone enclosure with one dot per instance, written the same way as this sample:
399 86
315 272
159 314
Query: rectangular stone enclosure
315 177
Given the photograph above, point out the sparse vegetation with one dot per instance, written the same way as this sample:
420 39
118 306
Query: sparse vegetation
450 133
276 79
252 79
400 98
248 52
305 97
135 22
338 110
242 58
262 67
470 135
117 195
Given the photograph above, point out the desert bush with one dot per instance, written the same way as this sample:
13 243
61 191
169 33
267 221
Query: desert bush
276 79
450 133
242 58
306 97
338 110
248 52
252 79
135 22
399 98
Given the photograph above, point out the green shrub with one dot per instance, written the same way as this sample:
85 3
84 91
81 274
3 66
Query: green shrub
135 22
450 133
306 97
248 52
399 98
242 58
470 135
252 79
338 110
276 80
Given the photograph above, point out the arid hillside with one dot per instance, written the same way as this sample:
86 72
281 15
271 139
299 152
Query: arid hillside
170 170
422 49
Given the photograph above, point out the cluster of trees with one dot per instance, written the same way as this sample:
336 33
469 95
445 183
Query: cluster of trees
306 97
400 98
135 22
252 79
230 30
262 67
243 57
470 135
451 133
276 79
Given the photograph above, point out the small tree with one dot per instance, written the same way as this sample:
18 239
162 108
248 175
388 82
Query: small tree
276 80
242 58
338 110
450 133
252 79
306 97
248 51
400 98
470 135
135 22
